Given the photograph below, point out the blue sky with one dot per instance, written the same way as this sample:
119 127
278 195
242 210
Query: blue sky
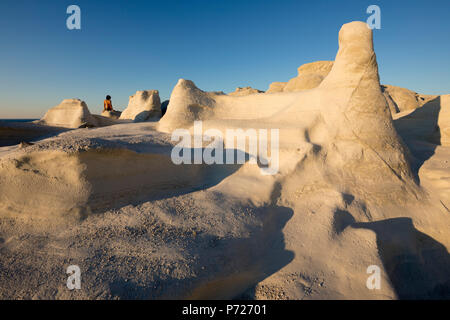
125 46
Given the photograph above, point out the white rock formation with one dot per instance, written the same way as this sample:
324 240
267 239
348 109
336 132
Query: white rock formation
70 113
321 68
365 139
310 75
276 87
347 114
244 91
143 106
344 198
188 103
405 99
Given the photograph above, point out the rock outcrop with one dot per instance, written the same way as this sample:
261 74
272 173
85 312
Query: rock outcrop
365 140
187 103
143 106
310 75
321 68
111 114
347 115
244 91
404 99
430 122
276 87
70 113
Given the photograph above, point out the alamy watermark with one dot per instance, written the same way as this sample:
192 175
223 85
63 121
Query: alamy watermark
374 20
237 150
73 22
74 279
374 280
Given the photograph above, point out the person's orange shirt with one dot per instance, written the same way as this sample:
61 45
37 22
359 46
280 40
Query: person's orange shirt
107 105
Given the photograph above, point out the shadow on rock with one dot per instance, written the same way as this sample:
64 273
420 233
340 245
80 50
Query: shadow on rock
119 177
421 132
417 265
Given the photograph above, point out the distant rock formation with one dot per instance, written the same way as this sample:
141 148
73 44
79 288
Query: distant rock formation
321 68
244 91
70 113
143 106
310 75
404 99
276 87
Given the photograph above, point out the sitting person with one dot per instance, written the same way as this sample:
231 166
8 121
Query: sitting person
107 104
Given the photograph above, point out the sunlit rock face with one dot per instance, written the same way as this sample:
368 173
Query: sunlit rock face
143 106
310 75
70 113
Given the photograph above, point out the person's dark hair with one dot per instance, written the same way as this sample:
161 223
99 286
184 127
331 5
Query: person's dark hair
108 97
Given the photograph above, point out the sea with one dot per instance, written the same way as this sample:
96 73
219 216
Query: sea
17 120
10 136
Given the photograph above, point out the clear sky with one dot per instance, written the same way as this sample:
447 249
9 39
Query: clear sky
130 45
